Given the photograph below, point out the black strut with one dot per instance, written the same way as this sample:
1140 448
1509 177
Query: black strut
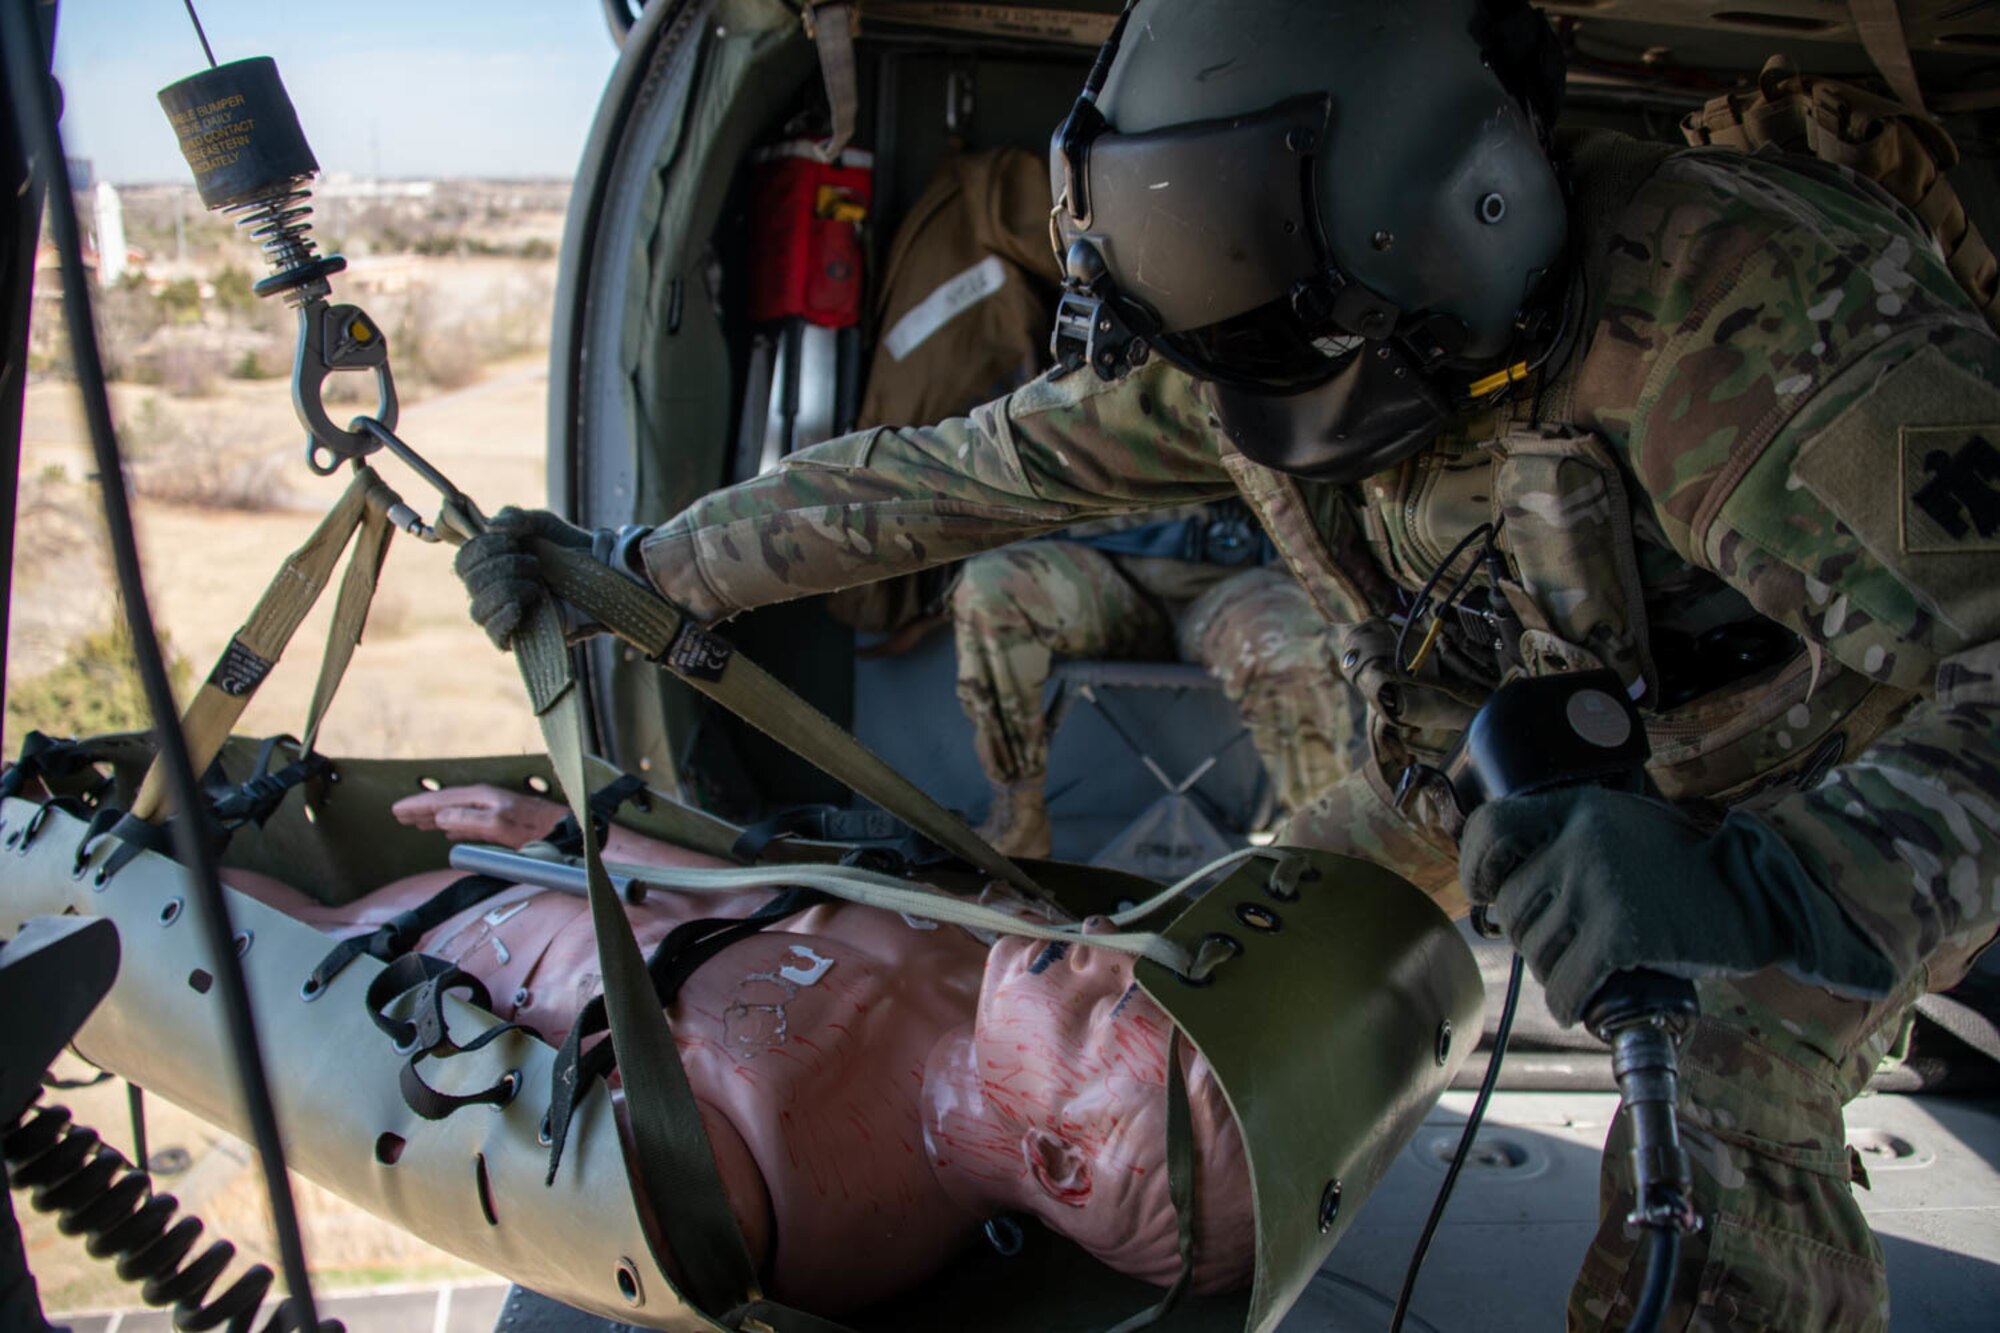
30 89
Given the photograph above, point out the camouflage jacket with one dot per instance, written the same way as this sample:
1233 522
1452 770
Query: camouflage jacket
1795 399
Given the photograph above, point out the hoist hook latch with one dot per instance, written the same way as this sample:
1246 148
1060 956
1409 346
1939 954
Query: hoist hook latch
339 338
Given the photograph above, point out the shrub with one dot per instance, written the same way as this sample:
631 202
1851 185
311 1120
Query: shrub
451 361
187 372
181 300
214 479
233 291
95 690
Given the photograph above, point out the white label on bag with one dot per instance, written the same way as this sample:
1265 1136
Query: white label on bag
951 299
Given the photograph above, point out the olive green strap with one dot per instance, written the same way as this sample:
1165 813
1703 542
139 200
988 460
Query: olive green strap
771 1317
1180 1190
262 639
1879 24
657 628
674 1164
350 615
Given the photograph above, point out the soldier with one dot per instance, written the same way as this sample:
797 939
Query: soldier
1716 422
1189 587
1145 588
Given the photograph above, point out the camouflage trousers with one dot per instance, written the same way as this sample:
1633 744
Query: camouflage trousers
1016 610
1765 1073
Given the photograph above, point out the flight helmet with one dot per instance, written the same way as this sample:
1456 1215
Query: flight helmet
1342 215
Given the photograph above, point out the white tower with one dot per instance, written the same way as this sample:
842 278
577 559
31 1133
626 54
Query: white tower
110 235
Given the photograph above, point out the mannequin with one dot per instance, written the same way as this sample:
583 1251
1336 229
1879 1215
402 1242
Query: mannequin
874 1087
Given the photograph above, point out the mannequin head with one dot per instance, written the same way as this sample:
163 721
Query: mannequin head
1056 1105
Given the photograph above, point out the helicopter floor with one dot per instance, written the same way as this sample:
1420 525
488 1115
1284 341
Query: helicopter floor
1526 1206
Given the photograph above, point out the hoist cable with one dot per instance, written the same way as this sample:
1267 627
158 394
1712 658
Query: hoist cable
195 19
1472 1123
30 88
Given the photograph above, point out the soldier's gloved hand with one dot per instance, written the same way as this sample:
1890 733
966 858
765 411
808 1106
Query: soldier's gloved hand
1589 882
502 573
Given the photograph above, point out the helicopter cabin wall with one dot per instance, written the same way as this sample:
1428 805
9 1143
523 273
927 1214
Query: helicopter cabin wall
920 100
707 385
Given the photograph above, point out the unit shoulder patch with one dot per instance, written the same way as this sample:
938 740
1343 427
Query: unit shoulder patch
1950 488
1912 469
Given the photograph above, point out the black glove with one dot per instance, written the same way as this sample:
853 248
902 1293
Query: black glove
1589 882
501 572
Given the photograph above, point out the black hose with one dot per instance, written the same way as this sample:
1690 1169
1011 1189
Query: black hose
93 1192
1663 1259
29 87
1465 1139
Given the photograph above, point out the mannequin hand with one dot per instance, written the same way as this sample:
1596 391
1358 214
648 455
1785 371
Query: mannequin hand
1589 882
481 814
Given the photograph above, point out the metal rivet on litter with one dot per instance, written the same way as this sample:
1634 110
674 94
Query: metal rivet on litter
1329 1206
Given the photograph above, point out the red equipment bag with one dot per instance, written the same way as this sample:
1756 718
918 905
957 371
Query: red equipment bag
808 215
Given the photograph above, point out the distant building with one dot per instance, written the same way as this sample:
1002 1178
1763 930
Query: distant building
345 185
112 254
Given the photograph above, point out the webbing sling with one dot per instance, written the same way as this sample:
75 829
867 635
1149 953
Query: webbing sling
427 1033
657 628
261 641
1879 24
350 612
683 951
398 935
831 25
675 1166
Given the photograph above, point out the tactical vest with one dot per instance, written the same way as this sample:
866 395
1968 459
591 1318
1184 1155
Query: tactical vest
1906 153
1571 545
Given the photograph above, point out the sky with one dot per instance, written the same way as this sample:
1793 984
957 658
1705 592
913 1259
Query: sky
398 88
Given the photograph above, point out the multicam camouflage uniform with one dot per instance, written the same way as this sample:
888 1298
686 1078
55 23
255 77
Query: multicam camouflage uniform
1014 611
1799 403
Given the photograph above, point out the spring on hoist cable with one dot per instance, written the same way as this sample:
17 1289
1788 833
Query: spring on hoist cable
67 1170
281 222
279 219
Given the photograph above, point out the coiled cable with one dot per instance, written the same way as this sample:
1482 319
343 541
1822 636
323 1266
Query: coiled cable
67 1170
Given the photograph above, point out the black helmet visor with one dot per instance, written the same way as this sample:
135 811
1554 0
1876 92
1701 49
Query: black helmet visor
1270 349
1198 223
1212 245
